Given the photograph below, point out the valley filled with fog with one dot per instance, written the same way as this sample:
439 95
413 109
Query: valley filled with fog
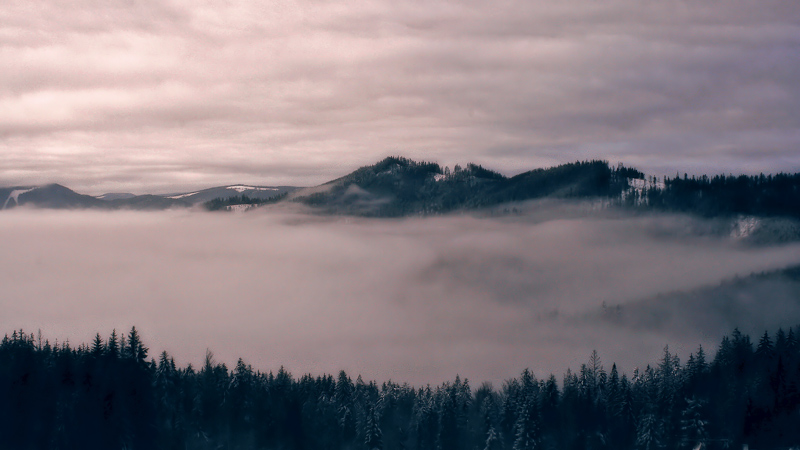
417 300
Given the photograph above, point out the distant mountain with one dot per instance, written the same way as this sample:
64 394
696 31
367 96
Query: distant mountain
236 190
759 299
55 196
399 187
52 196
116 196
727 195
147 202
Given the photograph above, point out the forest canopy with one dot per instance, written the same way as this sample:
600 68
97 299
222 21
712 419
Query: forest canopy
111 394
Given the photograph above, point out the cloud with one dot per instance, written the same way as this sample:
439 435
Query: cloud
414 300
186 94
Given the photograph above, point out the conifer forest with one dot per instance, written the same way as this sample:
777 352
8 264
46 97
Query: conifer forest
112 394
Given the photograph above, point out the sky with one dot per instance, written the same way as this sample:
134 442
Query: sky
416 300
154 96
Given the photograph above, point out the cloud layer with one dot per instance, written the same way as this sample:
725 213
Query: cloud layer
150 95
417 300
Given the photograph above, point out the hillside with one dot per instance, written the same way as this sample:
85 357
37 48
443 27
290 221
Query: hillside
51 196
755 300
55 196
398 186
231 191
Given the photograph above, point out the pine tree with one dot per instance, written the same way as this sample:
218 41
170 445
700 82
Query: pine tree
487 411
700 360
492 440
765 349
647 432
780 342
373 437
97 346
134 349
527 437
693 426
112 348
791 344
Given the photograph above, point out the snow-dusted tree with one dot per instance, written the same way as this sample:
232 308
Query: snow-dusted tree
647 432
373 437
693 427
343 395
492 439
527 437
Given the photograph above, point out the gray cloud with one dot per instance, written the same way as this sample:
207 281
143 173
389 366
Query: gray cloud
153 94
417 300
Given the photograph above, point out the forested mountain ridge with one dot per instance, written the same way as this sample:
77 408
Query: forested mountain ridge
756 299
55 196
758 195
48 196
397 186
109 395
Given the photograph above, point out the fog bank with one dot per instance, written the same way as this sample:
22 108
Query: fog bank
416 300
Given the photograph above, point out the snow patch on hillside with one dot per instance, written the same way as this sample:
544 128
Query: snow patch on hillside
240 188
744 227
239 208
15 196
638 186
176 197
645 183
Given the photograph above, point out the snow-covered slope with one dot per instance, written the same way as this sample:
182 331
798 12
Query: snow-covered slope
14 196
48 196
638 186
224 192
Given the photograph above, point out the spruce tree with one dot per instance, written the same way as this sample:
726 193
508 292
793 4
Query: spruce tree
528 433
694 429
373 437
97 346
112 348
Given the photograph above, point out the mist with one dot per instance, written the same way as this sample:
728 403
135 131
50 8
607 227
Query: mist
417 300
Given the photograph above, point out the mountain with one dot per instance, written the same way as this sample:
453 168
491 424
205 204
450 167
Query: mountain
116 196
726 195
55 196
147 202
236 190
398 187
758 299
51 196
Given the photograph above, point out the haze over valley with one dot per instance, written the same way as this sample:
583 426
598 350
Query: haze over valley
416 300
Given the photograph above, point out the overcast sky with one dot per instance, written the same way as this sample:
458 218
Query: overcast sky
159 96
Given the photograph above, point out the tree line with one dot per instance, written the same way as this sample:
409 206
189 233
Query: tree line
221 203
110 394
726 195
399 186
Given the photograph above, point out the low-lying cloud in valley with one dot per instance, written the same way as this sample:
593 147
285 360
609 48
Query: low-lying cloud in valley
416 300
